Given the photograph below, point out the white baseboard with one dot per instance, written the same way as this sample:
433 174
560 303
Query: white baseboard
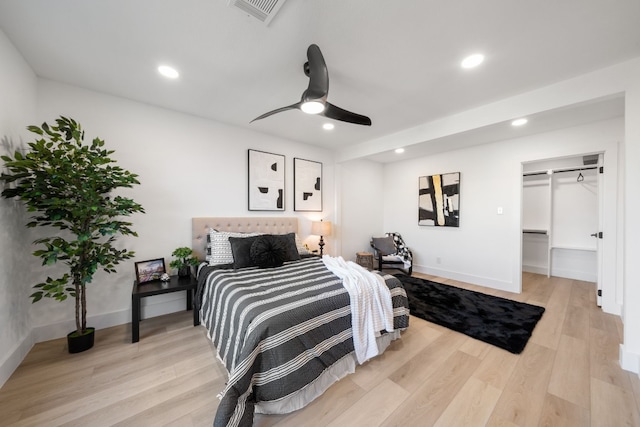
561 272
574 274
536 269
15 357
158 306
476 280
629 361
61 329
151 307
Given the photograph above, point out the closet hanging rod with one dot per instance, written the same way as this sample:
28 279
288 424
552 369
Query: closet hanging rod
559 170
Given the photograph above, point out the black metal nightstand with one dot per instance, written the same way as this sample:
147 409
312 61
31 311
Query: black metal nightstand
175 284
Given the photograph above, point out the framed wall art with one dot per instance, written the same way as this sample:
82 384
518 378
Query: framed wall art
266 181
148 271
307 185
439 200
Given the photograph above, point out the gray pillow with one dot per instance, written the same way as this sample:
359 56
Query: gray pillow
241 249
384 245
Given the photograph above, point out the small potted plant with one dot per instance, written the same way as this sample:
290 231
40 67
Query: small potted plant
184 260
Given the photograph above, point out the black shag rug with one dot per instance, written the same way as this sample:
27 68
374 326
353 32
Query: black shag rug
504 323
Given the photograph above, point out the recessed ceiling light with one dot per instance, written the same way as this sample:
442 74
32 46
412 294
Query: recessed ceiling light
399 150
168 72
472 61
519 122
328 126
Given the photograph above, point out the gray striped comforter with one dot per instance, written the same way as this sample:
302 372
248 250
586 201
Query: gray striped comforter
277 330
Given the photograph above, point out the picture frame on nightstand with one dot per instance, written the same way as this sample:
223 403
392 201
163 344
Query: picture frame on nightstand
150 270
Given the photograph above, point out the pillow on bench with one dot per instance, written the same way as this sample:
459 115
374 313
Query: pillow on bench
385 245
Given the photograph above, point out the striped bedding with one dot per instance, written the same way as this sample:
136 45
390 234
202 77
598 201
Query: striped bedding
284 334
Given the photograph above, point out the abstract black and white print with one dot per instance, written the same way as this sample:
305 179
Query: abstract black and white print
266 181
439 200
307 185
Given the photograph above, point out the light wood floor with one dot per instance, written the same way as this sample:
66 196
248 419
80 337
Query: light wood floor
568 375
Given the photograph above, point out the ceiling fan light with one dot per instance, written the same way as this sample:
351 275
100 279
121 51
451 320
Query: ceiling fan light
312 107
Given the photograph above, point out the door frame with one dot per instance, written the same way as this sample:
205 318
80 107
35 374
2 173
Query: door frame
609 248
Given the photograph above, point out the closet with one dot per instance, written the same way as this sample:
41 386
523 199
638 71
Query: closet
560 217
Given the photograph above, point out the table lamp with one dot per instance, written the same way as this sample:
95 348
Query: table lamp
321 228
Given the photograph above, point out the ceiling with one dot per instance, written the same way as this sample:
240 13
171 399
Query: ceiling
396 62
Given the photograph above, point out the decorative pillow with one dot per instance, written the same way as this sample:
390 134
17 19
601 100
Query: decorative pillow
241 250
221 248
269 251
207 249
289 243
384 245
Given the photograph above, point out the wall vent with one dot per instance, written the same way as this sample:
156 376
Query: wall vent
591 159
263 10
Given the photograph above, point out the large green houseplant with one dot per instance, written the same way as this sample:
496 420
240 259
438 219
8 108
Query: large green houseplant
69 186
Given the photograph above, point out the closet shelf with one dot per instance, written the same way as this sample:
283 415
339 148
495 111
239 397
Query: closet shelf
573 248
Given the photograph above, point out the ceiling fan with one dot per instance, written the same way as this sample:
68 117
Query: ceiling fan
314 99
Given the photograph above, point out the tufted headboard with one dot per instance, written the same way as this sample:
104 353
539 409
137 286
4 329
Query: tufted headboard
272 225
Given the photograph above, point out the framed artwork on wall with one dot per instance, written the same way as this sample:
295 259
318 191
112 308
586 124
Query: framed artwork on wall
148 271
439 200
307 185
266 181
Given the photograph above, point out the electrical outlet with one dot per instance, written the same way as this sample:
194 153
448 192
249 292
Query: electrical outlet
500 211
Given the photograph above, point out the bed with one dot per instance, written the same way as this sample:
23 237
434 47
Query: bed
286 333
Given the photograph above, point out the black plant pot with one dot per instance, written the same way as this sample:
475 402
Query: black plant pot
78 344
184 271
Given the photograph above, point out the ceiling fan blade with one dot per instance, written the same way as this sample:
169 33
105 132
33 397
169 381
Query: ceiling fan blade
316 69
279 110
316 93
337 113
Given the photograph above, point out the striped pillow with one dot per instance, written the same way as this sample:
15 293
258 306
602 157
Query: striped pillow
219 248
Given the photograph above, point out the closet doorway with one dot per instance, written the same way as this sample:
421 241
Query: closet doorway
562 218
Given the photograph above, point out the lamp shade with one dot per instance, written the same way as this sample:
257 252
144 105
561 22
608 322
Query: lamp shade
321 228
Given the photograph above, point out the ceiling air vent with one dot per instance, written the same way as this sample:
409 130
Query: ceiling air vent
264 10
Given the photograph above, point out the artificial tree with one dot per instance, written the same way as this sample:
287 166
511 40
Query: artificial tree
69 186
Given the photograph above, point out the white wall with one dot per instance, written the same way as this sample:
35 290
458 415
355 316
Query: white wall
485 249
187 167
630 349
361 202
17 109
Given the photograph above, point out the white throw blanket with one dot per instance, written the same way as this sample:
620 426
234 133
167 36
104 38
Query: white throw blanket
371 307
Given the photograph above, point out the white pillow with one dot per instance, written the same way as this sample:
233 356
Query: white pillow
301 249
220 248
